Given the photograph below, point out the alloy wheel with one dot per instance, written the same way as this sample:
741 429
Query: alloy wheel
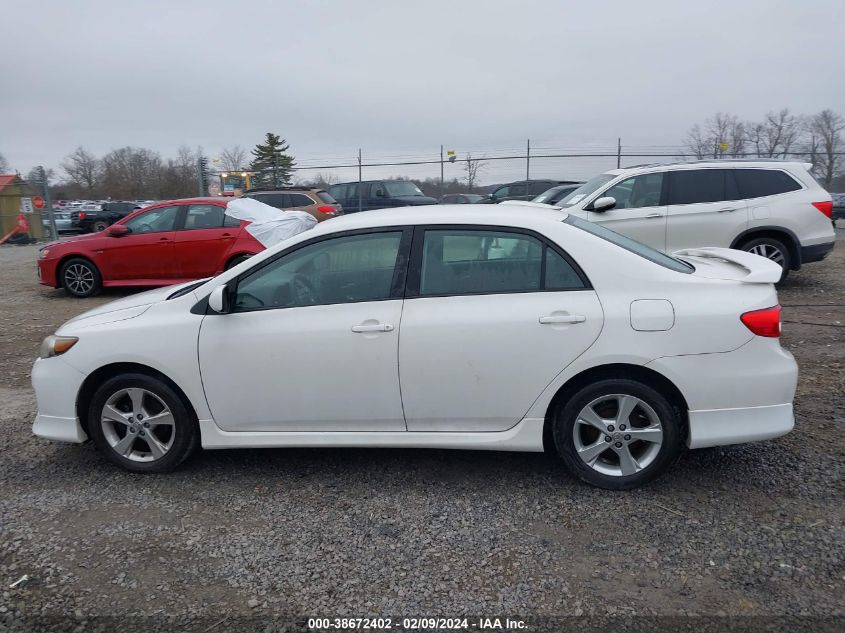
617 435
79 279
138 425
769 252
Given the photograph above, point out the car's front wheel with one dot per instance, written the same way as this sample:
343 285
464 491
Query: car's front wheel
141 423
100 225
80 278
617 433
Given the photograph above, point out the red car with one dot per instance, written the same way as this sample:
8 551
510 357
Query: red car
165 243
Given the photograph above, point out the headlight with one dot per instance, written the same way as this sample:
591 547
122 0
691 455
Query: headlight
54 345
44 253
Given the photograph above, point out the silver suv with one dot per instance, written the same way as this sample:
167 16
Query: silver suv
772 208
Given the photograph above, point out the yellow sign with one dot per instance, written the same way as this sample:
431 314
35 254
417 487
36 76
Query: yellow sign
724 147
450 152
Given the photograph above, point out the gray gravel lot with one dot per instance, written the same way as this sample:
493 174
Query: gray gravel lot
235 537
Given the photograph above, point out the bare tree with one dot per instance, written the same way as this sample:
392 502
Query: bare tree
4 164
776 135
82 169
723 135
233 158
34 176
826 145
132 173
472 167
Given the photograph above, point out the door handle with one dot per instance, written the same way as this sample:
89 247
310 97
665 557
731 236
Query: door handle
378 327
653 215
727 209
563 318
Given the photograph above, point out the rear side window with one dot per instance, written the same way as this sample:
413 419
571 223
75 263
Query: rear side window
692 186
300 200
756 183
633 246
278 200
457 262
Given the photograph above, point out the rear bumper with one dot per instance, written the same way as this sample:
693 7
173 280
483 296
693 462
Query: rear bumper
734 397
816 252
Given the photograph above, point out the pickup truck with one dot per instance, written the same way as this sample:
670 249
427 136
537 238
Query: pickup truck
96 218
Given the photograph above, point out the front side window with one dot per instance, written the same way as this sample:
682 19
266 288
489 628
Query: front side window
695 186
585 190
154 220
203 216
402 188
756 183
637 192
490 261
345 269
518 189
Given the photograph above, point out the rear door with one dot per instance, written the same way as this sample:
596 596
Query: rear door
204 237
491 316
705 208
146 252
639 212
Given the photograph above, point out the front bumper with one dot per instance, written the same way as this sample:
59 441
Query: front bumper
56 387
735 397
47 273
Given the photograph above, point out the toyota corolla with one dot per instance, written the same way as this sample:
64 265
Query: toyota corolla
463 327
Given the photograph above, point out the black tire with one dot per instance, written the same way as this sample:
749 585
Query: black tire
236 260
185 429
100 225
565 419
771 248
80 278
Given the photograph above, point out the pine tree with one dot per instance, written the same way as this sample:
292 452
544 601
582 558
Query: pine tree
272 164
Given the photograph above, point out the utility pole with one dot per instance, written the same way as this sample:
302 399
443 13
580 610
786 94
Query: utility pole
618 152
528 161
45 188
360 186
441 171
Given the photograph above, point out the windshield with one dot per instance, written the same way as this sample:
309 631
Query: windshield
588 188
402 188
631 245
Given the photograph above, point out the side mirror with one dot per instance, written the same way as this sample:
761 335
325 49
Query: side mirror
218 300
604 204
116 230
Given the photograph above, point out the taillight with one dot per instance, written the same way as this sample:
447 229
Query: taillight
765 322
82 215
825 207
327 209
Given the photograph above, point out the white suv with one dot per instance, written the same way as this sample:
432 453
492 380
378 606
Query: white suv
771 208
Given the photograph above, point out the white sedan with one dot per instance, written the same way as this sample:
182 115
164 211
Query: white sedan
463 326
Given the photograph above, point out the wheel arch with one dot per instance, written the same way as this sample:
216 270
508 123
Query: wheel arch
232 258
779 233
645 375
66 258
96 378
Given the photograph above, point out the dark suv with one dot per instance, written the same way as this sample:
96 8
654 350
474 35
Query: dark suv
378 194
523 189
96 220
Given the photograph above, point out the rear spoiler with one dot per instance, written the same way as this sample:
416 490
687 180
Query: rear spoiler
760 270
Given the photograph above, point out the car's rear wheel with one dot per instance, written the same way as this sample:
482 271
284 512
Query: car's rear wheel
80 278
617 433
772 249
140 423
100 225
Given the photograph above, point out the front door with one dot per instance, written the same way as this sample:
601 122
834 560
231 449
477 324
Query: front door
146 252
638 213
491 317
312 342
705 209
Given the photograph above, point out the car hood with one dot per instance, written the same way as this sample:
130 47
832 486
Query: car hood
122 309
414 201
86 237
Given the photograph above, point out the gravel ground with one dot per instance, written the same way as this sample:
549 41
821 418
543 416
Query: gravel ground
234 539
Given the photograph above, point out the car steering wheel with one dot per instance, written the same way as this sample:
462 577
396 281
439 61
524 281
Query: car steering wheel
303 291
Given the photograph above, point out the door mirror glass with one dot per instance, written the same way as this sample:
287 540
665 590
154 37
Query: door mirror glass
605 203
218 300
116 230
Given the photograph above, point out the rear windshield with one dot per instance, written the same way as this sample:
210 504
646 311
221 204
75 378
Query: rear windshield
325 197
633 246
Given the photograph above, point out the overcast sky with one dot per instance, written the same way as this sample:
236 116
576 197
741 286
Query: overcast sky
399 78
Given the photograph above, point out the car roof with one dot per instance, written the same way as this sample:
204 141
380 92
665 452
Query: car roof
500 214
698 164
219 200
